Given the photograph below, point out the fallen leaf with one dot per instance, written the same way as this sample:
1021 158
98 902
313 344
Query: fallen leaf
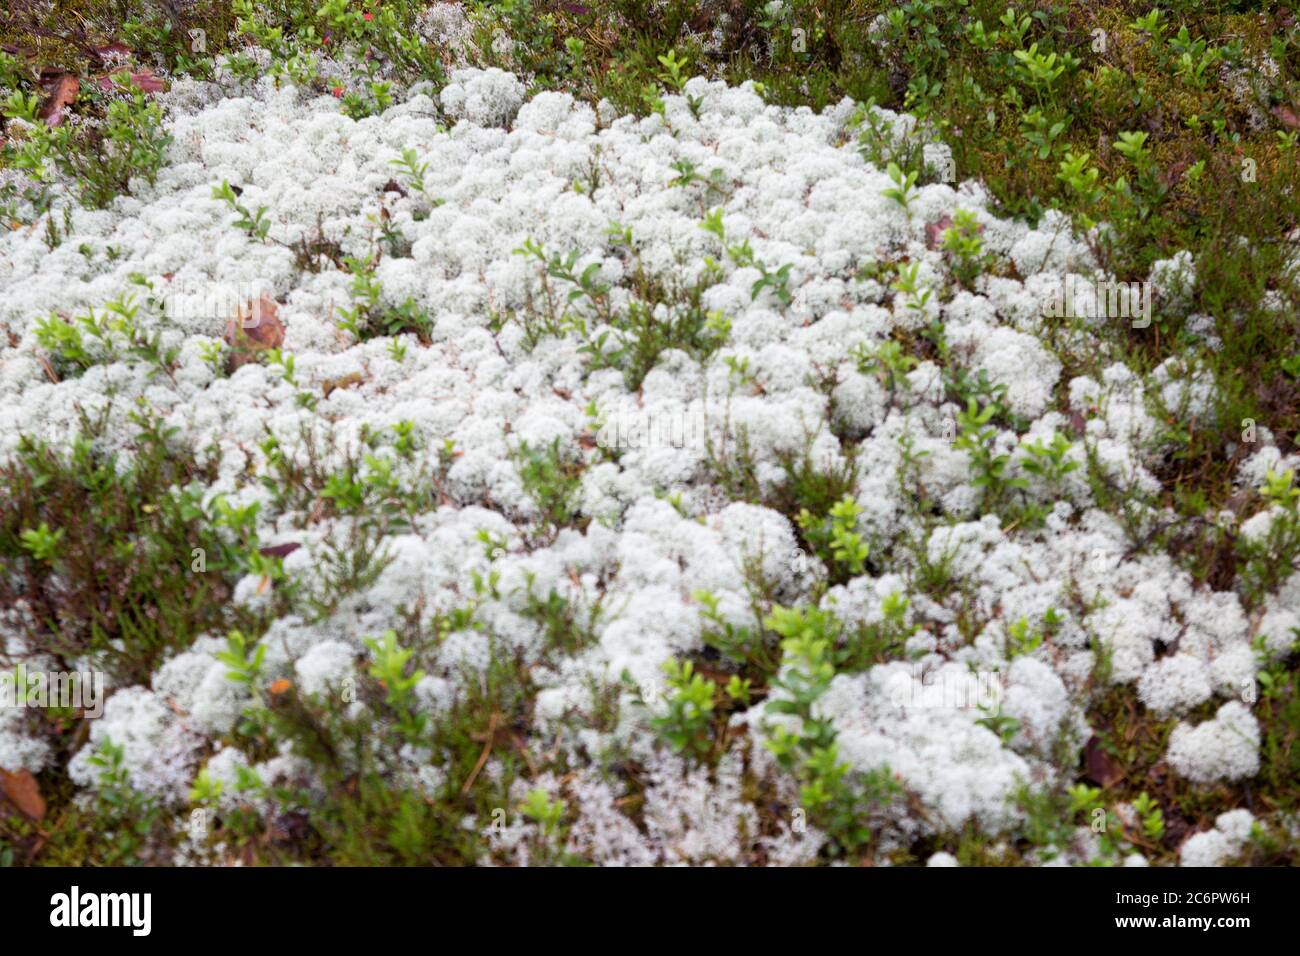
393 186
1100 768
144 79
279 550
343 381
1079 424
257 328
21 789
1288 117
63 91
112 50
148 82
1237 503
260 321
934 232
289 827
1177 830
1169 177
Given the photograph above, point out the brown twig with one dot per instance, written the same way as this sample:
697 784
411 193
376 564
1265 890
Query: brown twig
482 758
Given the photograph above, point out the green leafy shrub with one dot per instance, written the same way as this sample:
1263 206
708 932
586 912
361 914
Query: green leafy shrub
121 565
836 798
100 160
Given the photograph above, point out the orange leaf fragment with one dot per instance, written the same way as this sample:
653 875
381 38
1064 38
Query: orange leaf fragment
22 790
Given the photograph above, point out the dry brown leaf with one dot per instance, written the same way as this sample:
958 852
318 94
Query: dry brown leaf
279 550
934 232
260 321
1100 768
22 790
144 78
114 50
62 92
1288 116
1169 177
257 328
343 381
